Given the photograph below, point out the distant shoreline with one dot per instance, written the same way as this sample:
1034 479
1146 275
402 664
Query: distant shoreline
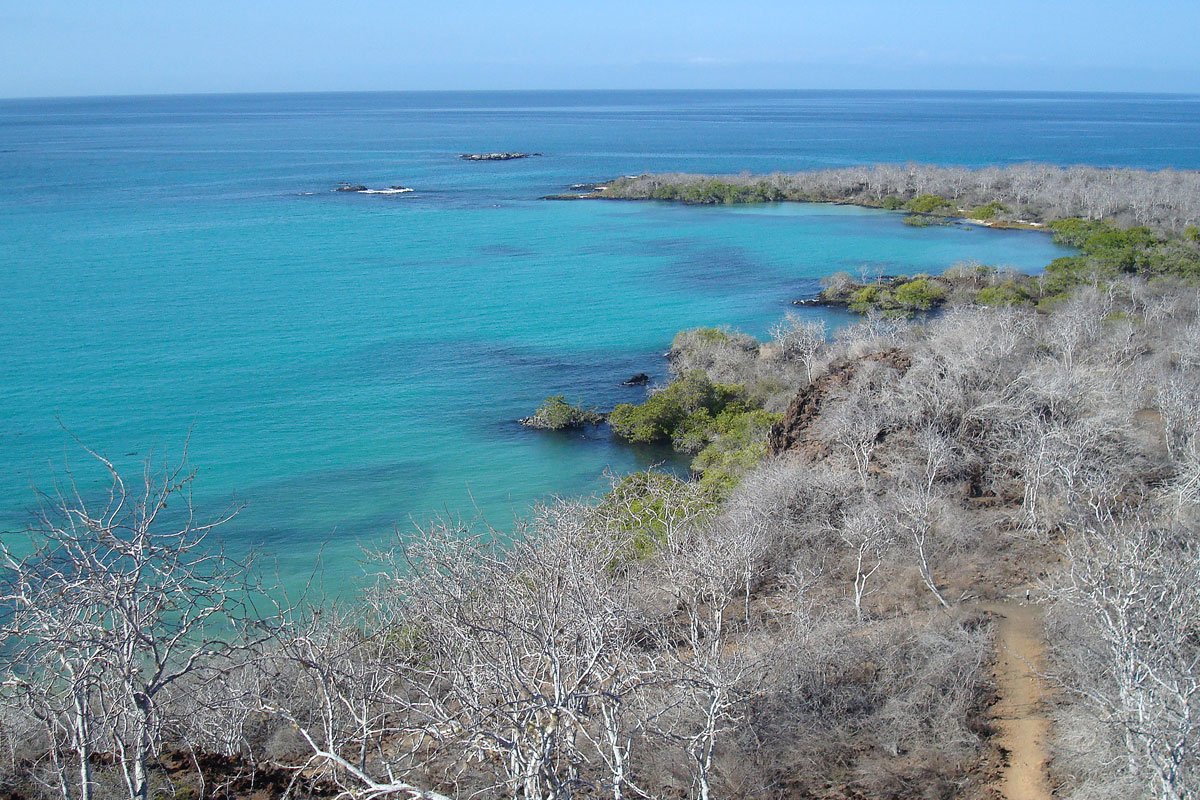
598 193
1022 196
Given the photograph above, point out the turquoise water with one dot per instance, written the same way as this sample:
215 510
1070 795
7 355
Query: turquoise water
347 363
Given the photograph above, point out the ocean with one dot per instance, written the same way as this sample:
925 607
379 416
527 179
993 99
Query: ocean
345 366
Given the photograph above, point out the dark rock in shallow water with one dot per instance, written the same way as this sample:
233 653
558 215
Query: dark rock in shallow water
641 379
580 418
589 191
360 189
495 156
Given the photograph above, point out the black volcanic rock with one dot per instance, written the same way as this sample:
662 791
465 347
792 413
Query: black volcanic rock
495 156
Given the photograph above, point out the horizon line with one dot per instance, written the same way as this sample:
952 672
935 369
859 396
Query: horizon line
296 92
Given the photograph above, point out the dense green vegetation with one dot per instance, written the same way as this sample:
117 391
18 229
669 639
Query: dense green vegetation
1108 251
925 220
919 294
717 422
679 413
723 423
696 415
925 210
737 444
928 204
719 192
988 210
896 296
1008 293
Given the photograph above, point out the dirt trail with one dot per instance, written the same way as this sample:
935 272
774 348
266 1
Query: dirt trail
1023 727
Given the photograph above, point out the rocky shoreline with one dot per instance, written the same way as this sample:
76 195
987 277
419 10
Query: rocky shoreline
556 414
601 191
590 191
904 295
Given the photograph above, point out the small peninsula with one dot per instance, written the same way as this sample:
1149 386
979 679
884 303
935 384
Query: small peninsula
1015 196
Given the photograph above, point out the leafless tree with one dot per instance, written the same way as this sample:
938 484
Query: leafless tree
1133 585
1165 199
868 534
705 576
113 604
801 339
343 690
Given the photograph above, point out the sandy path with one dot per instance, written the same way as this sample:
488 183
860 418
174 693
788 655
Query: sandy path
1023 727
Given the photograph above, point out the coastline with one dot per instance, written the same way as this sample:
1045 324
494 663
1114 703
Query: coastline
855 592
1017 196
599 193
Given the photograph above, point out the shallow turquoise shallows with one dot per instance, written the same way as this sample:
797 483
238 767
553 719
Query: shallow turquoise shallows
348 363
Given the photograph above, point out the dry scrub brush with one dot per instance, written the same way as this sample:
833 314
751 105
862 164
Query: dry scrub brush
1165 199
811 634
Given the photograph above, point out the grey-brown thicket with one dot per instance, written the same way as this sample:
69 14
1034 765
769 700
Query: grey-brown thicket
1165 199
813 634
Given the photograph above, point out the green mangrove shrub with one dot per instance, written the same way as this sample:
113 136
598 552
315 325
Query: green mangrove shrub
921 294
928 204
738 444
1009 293
714 192
665 411
1108 251
988 210
555 414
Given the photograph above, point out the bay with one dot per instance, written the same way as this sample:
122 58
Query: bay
345 364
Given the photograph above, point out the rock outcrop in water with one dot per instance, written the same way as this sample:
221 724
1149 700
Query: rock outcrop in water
556 414
360 189
495 156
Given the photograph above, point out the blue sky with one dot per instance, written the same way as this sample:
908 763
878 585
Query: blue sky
90 47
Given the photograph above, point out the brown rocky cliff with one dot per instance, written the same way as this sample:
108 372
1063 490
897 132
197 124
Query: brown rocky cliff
792 434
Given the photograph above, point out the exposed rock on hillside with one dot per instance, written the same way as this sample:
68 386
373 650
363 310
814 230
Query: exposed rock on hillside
792 433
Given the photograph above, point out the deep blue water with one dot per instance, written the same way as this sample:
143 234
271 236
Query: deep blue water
348 363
